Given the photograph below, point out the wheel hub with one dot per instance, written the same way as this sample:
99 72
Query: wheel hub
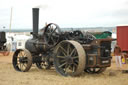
69 59
22 60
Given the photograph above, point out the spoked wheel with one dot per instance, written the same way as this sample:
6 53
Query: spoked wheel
70 58
51 34
95 70
22 60
6 51
44 64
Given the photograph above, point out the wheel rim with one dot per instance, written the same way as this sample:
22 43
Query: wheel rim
70 58
95 70
22 60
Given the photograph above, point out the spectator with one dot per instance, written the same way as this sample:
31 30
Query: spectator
117 54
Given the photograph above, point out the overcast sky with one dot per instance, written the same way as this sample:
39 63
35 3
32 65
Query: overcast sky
65 13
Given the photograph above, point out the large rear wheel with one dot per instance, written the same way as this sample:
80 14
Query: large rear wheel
22 60
70 58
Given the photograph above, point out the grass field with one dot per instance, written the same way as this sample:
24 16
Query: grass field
8 76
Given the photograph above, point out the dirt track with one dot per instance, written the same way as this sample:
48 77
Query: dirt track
8 76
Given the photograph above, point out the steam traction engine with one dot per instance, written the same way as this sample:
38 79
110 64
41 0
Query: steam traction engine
3 47
70 52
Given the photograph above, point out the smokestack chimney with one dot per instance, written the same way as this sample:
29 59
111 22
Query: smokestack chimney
35 21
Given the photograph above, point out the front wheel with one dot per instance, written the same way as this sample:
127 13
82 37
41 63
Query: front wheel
22 60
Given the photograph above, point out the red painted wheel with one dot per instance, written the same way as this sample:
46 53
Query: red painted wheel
6 53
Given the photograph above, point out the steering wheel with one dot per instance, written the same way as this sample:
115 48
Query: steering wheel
52 34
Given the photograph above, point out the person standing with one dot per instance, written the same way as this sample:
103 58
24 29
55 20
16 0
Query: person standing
117 54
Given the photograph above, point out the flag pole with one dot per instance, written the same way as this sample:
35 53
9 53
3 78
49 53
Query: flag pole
10 20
